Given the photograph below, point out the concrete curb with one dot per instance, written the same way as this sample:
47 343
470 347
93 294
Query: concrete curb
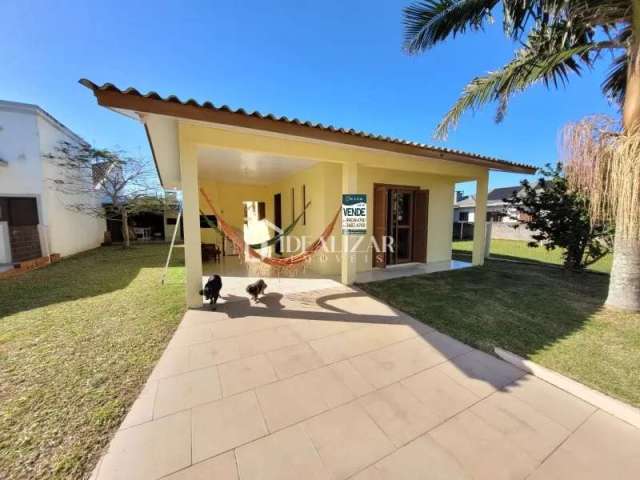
604 402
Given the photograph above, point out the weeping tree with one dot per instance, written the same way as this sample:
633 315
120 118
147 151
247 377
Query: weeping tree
105 183
603 162
558 38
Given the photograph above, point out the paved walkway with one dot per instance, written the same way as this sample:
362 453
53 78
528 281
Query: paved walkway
331 384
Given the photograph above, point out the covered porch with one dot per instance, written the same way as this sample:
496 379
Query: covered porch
260 185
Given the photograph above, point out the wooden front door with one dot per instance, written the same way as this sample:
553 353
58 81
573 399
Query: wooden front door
400 214
400 224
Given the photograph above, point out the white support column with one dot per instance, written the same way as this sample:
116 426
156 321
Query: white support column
349 261
480 220
191 225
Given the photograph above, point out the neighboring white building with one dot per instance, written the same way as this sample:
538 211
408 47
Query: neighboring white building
34 217
497 209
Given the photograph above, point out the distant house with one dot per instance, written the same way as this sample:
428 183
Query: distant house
35 220
497 209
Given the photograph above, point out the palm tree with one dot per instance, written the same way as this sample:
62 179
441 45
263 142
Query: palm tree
558 38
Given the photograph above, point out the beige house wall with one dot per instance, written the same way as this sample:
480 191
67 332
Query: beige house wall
339 169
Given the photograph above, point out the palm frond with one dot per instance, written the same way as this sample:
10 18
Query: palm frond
615 85
529 66
428 22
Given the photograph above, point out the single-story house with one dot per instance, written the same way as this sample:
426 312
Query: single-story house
497 209
270 167
35 220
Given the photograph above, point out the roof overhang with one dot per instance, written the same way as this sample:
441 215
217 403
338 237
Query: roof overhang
132 103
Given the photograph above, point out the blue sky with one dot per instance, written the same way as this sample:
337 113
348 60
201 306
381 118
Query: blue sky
333 61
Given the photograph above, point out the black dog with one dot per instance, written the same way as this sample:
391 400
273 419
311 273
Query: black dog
256 289
211 290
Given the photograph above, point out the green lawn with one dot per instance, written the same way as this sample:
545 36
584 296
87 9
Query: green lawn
518 250
550 316
77 341
79 338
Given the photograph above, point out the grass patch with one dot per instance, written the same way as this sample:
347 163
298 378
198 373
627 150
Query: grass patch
519 250
78 340
552 317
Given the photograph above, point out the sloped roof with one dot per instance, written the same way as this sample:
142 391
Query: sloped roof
469 201
499 194
37 110
494 197
109 95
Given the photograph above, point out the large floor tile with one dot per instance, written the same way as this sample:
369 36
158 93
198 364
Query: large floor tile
293 360
361 340
521 425
481 450
314 329
421 459
395 362
172 362
399 413
222 467
481 373
347 440
150 450
556 404
226 424
602 448
439 394
186 390
447 346
284 455
358 303
184 337
214 352
142 409
234 327
294 399
244 374
266 340
347 374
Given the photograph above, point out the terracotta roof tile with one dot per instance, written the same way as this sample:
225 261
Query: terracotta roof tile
109 87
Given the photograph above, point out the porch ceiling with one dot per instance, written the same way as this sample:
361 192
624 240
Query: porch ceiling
236 166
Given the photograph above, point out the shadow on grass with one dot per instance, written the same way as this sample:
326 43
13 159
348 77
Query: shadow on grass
522 308
88 274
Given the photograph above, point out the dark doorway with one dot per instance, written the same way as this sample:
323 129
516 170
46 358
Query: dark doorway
277 218
21 213
400 214
400 224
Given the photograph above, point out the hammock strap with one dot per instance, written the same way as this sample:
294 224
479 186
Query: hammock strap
269 242
234 236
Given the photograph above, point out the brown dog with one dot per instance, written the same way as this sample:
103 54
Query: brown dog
256 289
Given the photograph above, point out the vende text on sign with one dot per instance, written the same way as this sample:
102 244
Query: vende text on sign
354 214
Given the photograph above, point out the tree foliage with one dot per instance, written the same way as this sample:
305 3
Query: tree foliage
105 183
559 218
557 38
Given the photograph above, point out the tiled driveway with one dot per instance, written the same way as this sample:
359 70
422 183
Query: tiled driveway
332 384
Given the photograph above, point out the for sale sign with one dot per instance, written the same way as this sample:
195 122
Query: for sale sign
354 214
